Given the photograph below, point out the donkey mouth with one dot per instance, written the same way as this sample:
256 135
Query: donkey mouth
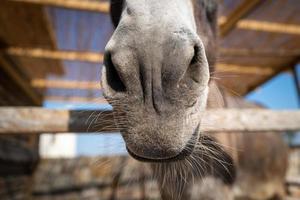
187 151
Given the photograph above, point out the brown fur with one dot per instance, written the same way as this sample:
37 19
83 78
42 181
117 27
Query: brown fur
260 158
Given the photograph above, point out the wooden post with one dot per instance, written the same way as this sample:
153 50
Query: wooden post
297 82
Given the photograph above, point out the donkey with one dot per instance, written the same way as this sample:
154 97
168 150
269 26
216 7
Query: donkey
157 78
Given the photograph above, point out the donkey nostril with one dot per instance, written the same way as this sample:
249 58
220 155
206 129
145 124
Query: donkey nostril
195 58
112 75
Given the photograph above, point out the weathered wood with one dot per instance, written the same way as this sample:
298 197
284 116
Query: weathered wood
94 57
241 11
28 25
269 26
259 52
65 84
264 26
37 120
72 4
76 99
240 69
19 80
277 71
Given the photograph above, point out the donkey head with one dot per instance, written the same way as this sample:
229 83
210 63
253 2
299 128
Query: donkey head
156 73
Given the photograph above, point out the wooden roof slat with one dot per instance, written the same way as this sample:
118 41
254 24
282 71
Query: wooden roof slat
76 99
95 85
66 84
259 52
72 4
55 54
97 57
269 26
27 26
241 11
238 69
290 65
226 23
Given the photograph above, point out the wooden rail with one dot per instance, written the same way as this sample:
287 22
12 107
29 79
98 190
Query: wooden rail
38 120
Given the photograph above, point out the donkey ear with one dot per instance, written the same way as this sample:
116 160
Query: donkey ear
116 7
211 7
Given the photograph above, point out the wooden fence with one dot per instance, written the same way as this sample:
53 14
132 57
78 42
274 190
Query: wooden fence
39 120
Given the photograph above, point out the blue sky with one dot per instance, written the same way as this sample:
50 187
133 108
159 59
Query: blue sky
278 93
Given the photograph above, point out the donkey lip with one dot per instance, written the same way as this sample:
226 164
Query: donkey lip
187 151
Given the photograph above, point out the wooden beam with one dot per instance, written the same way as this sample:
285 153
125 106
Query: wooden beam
265 26
226 23
296 82
66 84
240 69
19 80
277 71
259 52
72 4
94 57
269 26
38 120
76 99
238 13
95 85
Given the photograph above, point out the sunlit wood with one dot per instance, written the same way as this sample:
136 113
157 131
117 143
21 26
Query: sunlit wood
259 52
55 54
38 120
237 14
269 26
76 99
66 84
241 69
72 4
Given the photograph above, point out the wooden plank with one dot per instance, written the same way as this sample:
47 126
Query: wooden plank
97 57
265 26
94 57
259 52
66 84
72 4
238 13
226 23
277 71
36 120
17 31
76 99
240 69
269 27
